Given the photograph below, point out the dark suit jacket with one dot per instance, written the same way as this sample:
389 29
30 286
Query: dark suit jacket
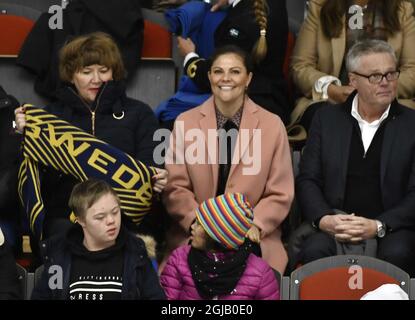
321 183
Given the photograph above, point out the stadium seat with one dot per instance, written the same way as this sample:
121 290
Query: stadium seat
38 274
14 30
30 284
16 21
22 277
22 10
157 42
344 277
287 60
38 5
285 288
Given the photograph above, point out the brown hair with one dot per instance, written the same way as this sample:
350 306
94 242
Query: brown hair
86 193
230 48
333 11
94 48
259 50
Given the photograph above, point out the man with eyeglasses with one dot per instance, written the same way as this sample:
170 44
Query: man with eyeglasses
357 173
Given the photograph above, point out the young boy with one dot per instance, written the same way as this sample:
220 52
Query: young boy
97 259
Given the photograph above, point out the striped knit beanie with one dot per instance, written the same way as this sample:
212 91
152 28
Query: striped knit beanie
226 219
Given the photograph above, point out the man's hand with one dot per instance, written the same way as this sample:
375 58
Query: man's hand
328 223
219 4
339 94
160 180
253 234
185 45
356 229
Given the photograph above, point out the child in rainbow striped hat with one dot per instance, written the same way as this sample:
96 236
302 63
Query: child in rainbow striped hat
220 263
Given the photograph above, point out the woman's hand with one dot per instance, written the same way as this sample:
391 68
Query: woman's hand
20 119
185 45
160 180
219 4
253 234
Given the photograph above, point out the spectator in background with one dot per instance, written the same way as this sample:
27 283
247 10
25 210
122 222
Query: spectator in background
266 179
257 26
330 29
359 158
94 100
9 285
10 144
39 54
95 250
220 263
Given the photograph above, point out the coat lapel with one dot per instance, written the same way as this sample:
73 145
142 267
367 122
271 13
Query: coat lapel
208 121
388 139
249 122
345 127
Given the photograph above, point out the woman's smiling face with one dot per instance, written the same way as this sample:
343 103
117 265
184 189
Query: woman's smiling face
229 78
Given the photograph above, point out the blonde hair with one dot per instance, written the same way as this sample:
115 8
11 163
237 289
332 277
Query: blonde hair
94 48
260 48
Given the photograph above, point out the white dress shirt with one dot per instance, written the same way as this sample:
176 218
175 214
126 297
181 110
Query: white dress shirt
234 2
367 129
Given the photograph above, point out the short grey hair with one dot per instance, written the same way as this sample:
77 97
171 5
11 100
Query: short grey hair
365 47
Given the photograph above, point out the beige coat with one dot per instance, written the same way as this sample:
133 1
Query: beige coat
270 190
315 55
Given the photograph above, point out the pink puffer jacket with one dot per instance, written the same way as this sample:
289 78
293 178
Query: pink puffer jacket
258 281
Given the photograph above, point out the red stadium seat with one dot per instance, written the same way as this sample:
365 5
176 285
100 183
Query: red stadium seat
288 53
13 32
344 277
157 42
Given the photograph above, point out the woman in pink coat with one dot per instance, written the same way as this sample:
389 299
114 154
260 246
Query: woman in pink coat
220 263
199 166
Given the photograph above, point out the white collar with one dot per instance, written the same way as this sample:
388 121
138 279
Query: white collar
355 113
233 3
1 238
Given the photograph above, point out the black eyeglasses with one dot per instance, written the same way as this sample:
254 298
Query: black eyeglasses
377 78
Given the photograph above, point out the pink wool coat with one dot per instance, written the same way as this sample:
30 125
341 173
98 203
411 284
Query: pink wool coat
269 190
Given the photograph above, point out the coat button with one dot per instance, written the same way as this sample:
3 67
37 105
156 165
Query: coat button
230 185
